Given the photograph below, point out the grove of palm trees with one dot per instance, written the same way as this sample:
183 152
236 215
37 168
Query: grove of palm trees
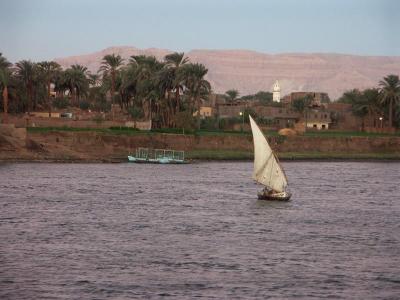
167 91
382 103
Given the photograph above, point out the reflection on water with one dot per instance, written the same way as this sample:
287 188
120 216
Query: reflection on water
124 231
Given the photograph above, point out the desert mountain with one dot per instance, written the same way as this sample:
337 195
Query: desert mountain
250 71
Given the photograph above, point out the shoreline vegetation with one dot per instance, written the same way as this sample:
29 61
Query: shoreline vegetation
170 93
196 156
291 156
132 131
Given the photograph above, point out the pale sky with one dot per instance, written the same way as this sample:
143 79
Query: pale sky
45 29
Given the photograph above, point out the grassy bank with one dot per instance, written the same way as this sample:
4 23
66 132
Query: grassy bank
333 133
338 156
132 131
116 130
219 155
243 155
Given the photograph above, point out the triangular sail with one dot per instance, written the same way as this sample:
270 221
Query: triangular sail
267 169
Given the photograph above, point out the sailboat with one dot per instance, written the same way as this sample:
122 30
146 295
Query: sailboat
267 169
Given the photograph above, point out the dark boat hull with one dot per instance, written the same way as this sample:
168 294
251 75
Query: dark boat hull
284 196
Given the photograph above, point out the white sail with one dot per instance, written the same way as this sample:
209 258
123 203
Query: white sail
267 169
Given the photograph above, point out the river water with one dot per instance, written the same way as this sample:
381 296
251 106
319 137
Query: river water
132 231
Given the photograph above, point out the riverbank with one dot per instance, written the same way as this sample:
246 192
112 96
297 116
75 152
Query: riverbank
288 156
114 146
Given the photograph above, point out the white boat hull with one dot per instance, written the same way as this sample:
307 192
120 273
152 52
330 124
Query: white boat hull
161 160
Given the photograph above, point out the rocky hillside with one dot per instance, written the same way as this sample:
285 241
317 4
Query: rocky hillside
250 72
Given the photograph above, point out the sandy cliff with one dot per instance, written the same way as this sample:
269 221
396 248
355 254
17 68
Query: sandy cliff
250 71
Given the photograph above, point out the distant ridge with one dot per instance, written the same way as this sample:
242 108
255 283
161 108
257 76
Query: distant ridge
250 71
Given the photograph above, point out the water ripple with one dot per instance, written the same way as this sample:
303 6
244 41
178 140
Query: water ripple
124 231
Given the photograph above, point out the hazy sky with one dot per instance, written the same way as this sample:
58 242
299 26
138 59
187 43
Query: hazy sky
45 29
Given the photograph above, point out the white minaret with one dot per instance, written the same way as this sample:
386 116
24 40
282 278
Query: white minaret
276 92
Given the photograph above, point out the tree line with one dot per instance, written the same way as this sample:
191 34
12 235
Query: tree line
374 103
167 91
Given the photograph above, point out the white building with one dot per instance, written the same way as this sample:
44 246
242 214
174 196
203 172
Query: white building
276 92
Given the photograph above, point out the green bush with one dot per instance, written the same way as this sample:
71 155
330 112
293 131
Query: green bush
84 105
209 123
136 112
102 106
248 111
226 123
61 103
185 120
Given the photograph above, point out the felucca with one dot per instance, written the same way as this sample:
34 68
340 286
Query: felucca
267 169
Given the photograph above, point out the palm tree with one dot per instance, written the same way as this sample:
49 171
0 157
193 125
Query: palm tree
361 108
148 66
80 69
390 94
174 62
109 66
232 94
165 82
127 88
349 97
5 74
176 59
94 79
74 79
25 71
49 70
371 102
60 84
4 63
147 70
197 87
4 81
